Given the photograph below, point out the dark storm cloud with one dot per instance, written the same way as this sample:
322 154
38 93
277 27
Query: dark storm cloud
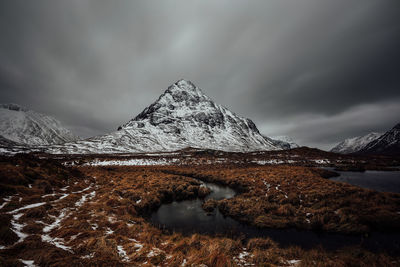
317 71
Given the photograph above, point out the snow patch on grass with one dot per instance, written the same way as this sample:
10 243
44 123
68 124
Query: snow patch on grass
109 231
17 227
58 242
132 162
27 207
57 221
89 256
242 258
154 252
84 198
122 253
28 263
293 262
61 198
6 200
138 246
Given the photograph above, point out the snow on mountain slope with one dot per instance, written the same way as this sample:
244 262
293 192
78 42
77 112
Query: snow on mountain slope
355 144
388 143
27 127
183 116
284 142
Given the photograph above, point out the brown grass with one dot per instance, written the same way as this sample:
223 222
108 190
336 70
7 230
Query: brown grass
288 196
115 216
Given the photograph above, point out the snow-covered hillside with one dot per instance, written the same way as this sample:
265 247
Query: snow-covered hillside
388 143
284 142
183 116
26 127
355 144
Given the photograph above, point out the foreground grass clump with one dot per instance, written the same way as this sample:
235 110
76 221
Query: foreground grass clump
96 216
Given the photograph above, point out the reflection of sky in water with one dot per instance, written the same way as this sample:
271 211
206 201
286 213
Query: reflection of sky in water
377 180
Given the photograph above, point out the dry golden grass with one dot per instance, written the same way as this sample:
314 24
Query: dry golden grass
105 213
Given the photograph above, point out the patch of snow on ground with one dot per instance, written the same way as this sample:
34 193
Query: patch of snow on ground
17 227
83 199
132 162
64 188
122 253
109 231
27 207
154 252
57 221
293 262
58 242
61 198
137 245
49 195
241 259
271 161
6 200
89 256
28 263
83 190
322 161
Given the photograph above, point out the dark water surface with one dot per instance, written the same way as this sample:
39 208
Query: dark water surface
384 181
188 217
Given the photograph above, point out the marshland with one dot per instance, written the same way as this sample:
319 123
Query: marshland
55 214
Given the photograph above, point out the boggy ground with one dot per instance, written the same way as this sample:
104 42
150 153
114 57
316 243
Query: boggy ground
290 196
52 215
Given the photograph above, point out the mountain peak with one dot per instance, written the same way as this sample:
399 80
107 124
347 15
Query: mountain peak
181 100
14 107
181 91
185 84
183 116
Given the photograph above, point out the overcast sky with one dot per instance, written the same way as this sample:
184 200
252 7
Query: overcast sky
317 71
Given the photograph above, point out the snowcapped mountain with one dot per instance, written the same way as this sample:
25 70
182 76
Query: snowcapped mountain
355 144
388 143
26 127
285 142
183 116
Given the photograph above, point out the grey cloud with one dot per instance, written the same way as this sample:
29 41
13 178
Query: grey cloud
294 67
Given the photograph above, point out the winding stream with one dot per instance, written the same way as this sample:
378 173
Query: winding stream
188 217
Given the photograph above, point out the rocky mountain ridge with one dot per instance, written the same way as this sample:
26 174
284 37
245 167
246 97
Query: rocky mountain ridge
22 126
388 143
183 116
355 144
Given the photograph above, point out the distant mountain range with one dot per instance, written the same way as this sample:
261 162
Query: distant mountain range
183 116
21 126
285 142
388 143
352 145
372 143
